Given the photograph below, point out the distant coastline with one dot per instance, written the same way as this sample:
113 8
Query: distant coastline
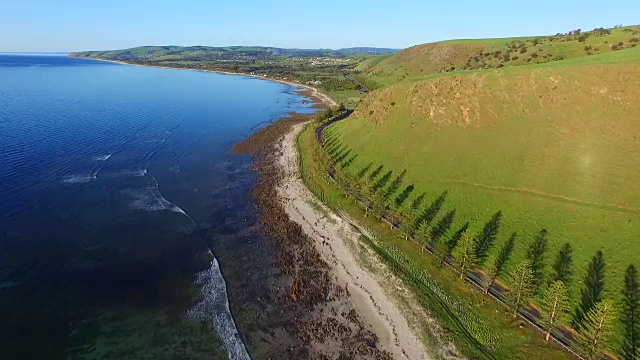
311 92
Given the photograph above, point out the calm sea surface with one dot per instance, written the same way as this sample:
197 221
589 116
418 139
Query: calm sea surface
117 189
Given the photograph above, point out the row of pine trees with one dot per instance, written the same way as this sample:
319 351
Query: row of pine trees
595 317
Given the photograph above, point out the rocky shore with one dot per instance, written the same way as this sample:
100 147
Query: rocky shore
338 309
326 324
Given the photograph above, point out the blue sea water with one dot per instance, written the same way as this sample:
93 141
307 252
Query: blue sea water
116 183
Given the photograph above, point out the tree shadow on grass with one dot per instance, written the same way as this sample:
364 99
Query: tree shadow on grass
349 161
337 151
443 226
395 185
432 211
382 182
364 170
375 173
404 195
341 157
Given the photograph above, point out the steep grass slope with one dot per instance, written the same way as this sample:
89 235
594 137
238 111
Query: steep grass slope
552 146
460 55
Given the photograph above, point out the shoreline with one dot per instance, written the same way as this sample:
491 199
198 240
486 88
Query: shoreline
336 239
340 306
325 321
315 93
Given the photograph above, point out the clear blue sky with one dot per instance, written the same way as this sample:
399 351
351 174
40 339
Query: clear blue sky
72 25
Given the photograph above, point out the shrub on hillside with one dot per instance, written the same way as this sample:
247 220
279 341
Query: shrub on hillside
514 58
601 31
634 40
523 50
583 37
534 55
325 115
587 48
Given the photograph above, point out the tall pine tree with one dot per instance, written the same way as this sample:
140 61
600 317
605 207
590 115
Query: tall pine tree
562 265
591 292
521 286
485 239
444 248
535 254
631 315
464 255
597 329
496 266
556 305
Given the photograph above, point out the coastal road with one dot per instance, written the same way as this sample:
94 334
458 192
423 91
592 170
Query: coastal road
321 128
360 86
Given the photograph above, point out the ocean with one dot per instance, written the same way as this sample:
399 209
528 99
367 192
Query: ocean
127 227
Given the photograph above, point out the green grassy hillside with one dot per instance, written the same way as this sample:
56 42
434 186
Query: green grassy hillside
552 146
460 55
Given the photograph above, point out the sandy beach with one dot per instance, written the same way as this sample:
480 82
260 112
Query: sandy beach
332 236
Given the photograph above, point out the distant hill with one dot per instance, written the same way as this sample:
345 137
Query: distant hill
367 51
240 53
464 55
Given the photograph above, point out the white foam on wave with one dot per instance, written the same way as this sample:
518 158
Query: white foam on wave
79 178
213 308
151 199
135 173
102 157
148 199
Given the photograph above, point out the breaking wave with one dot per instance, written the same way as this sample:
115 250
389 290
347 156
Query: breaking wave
102 157
213 308
151 199
77 179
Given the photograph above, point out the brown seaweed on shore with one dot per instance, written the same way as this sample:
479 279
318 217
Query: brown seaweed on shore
270 134
326 324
